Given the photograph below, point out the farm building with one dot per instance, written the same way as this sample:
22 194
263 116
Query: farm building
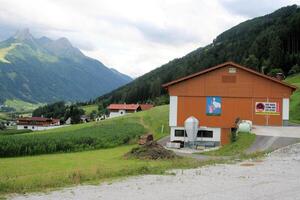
116 110
37 123
218 96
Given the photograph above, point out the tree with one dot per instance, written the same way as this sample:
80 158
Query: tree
252 62
295 69
276 52
74 112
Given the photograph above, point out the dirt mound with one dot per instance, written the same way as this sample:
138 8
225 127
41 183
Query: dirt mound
151 150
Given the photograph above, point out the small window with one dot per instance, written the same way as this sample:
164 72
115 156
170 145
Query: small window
121 112
25 127
205 134
180 133
33 127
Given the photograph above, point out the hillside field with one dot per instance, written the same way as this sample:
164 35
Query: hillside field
295 99
35 173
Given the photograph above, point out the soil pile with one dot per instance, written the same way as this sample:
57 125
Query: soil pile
151 150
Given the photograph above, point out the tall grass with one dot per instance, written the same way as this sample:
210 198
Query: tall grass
98 136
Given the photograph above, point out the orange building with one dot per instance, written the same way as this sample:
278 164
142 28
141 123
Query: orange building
219 95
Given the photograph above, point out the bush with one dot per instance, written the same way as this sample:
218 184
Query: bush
95 137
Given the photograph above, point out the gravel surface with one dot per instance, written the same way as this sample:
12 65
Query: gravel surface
275 177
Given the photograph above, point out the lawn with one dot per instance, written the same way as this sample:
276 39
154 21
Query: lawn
89 108
295 99
244 141
36 173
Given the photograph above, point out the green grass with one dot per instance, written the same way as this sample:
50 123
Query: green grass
3 116
4 52
21 106
295 99
13 132
37 173
89 108
244 141
105 134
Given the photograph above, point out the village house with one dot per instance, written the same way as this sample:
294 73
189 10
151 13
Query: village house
116 110
37 123
220 95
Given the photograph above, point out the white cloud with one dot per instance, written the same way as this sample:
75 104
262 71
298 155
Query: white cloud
133 36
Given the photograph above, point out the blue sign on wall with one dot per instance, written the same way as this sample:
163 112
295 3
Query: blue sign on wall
213 106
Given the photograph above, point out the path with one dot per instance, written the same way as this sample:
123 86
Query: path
275 177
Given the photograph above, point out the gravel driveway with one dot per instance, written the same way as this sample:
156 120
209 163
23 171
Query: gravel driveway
275 177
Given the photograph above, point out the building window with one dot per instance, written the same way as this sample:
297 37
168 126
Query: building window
33 127
205 134
25 127
121 112
180 133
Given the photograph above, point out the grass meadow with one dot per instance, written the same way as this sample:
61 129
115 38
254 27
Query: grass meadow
295 99
48 171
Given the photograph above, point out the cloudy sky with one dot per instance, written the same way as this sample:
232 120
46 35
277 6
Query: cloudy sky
132 36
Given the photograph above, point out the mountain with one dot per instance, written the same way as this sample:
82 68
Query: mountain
46 70
268 44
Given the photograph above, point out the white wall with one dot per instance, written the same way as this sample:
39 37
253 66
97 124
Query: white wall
117 114
285 108
216 134
36 128
173 111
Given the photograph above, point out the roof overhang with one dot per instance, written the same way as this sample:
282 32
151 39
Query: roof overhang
166 85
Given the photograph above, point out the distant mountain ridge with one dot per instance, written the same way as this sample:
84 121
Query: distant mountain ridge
268 44
46 70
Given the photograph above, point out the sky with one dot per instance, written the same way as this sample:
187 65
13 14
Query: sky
132 36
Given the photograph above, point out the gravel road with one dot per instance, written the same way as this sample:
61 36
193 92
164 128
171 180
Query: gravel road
275 177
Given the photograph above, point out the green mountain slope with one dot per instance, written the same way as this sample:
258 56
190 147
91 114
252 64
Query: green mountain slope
270 43
295 98
45 70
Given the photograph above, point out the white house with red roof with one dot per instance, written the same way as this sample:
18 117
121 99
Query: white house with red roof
116 110
37 123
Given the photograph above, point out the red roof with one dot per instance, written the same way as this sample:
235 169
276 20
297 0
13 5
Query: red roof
224 65
123 106
146 106
40 119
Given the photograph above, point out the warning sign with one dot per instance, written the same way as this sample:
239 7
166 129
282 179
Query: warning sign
267 108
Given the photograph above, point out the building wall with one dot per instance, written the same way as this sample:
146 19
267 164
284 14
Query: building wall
36 128
222 83
216 134
239 92
232 108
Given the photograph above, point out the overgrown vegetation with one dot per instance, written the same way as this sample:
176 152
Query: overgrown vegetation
104 135
243 142
268 44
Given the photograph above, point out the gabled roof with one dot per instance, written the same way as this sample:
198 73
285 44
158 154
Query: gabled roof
38 119
224 65
123 106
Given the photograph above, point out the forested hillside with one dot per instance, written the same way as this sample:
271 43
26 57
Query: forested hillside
268 44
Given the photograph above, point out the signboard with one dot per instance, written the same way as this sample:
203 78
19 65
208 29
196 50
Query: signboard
267 108
213 106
